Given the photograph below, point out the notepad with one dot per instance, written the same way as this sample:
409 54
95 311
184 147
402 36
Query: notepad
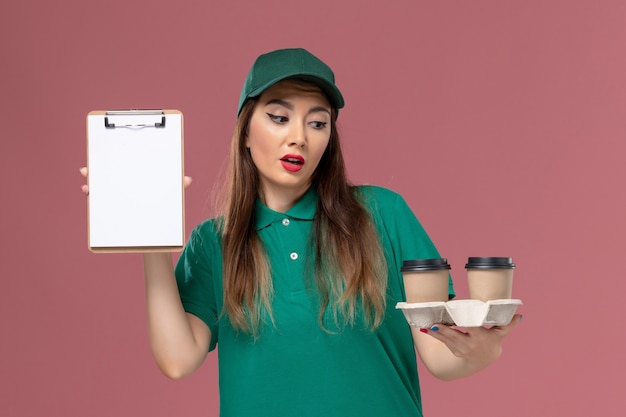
136 193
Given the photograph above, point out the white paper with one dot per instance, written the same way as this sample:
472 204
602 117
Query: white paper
135 182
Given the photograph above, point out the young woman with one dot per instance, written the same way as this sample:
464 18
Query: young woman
297 280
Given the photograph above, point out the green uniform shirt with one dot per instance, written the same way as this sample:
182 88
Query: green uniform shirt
296 368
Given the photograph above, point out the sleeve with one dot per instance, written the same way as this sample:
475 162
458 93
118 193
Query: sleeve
408 238
198 275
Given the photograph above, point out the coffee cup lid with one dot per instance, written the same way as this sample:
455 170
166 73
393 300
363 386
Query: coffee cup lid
419 265
489 262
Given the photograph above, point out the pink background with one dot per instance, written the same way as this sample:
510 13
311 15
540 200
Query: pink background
502 123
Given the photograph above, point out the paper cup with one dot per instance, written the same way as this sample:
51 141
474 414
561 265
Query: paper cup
425 280
490 278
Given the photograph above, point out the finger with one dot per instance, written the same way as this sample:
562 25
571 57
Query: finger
442 332
85 189
504 330
84 171
455 340
187 181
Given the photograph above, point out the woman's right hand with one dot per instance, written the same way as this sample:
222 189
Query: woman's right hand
85 188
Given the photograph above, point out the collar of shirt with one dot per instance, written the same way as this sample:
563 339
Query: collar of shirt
304 209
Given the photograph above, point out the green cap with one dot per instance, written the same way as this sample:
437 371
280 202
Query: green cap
277 65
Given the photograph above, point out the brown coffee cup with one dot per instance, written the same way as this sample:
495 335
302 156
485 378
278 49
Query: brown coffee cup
425 280
490 278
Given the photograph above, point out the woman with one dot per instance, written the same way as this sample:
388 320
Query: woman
297 280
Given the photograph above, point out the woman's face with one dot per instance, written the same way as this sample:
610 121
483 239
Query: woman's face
287 136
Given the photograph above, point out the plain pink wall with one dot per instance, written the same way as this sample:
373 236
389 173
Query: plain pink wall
503 123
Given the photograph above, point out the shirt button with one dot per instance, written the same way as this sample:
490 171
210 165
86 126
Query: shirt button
293 256
285 222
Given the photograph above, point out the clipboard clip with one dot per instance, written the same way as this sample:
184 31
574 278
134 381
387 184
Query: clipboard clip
134 113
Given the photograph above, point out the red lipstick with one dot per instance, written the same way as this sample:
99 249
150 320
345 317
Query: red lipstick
292 163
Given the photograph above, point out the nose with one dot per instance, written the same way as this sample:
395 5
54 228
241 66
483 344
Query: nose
297 134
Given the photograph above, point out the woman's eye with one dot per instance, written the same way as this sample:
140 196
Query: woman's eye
277 119
318 125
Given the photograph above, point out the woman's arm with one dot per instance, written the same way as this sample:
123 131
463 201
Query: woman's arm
451 353
179 340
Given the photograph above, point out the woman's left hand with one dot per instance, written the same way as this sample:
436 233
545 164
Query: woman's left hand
480 344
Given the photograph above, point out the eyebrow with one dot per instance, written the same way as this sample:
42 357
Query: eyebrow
289 106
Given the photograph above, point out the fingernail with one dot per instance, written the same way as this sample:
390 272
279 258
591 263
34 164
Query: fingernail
434 328
424 330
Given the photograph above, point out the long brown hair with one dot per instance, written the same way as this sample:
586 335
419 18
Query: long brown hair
349 267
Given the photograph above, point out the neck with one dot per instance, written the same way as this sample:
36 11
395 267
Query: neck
280 201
